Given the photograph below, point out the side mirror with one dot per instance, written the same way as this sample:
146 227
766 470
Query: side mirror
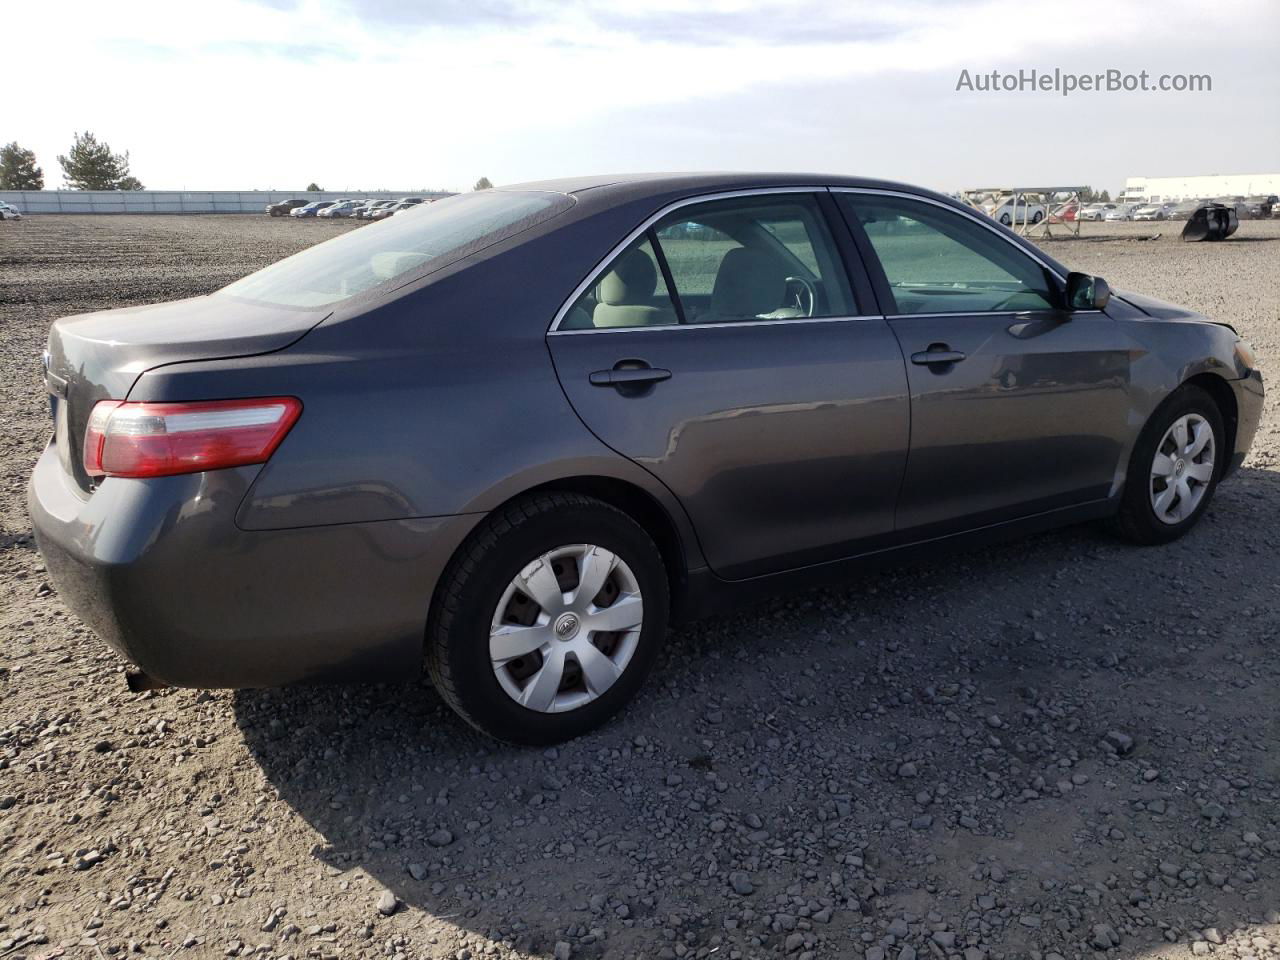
1086 293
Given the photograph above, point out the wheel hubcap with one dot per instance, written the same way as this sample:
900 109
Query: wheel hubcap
1182 468
566 628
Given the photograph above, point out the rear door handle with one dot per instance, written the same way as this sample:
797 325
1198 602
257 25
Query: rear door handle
628 376
930 357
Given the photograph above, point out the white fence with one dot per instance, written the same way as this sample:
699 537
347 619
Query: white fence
170 201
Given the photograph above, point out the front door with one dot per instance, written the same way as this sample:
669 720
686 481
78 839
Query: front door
723 351
1017 406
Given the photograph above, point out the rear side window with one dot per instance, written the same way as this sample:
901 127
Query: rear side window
939 261
438 233
736 260
754 258
632 292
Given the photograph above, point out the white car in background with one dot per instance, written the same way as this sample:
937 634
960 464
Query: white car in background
1123 211
9 212
1094 211
1023 212
1152 211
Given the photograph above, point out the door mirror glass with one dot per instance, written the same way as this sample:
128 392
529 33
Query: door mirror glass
1086 293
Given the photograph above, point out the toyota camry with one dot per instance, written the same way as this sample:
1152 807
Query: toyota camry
509 436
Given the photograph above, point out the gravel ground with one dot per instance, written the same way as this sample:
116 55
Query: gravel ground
1060 748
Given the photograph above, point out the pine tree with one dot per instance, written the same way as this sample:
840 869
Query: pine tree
18 170
91 165
314 187
483 184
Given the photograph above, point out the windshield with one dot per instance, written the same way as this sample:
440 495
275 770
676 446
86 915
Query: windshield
442 232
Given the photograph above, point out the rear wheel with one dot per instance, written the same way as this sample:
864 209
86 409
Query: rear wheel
1174 469
548 620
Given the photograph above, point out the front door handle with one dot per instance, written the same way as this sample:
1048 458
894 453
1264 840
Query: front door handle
934 356
629 376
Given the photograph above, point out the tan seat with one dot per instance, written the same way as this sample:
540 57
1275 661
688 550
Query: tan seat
750 285
626 295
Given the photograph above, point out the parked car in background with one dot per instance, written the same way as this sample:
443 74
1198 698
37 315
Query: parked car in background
285 207
1018 212
1152 211
312 208
1123 211
366 212
1094 211
1065 213
1185 208
297 479
9 212
341 208
396 207
1260 207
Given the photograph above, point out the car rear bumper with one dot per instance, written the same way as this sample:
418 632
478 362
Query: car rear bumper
160 570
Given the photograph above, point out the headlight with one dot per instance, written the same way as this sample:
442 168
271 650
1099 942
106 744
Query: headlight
1246 356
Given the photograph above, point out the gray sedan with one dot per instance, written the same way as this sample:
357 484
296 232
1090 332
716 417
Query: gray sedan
512 436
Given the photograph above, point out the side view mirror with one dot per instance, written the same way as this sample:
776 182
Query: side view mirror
1086 293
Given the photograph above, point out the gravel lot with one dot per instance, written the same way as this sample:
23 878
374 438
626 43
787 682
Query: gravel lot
1055 749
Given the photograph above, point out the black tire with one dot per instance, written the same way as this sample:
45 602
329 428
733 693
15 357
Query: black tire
1006 219
1137 520
457 641
1037 217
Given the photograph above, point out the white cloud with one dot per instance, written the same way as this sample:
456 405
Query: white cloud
374 93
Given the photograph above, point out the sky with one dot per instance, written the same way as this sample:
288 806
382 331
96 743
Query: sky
392 94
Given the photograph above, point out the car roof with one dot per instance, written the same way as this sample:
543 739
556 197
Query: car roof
596 194
632 186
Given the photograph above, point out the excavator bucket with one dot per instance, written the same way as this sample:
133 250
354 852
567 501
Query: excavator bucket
1213 221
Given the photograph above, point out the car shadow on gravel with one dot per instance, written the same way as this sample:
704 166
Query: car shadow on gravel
989 740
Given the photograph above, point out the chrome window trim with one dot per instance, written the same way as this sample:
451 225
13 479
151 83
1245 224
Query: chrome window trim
985 222
653 328
598 269
990 313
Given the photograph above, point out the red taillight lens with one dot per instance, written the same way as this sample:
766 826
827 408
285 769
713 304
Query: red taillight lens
161 439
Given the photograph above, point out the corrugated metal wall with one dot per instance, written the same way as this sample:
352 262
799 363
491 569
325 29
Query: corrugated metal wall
167 201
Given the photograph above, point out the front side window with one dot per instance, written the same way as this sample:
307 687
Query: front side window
728 261
442 233
939 261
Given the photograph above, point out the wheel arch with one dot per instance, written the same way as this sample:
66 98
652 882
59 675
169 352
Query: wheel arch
646 510
1225 398
679 555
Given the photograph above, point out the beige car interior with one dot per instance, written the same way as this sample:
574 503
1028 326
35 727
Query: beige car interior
626 293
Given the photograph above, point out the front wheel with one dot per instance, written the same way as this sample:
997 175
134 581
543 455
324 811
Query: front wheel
1037 217
548 619
1174 469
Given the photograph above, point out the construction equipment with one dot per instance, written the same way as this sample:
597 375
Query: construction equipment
1213 221
1030 211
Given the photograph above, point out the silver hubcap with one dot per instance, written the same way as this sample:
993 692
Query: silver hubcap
1182 468
566 628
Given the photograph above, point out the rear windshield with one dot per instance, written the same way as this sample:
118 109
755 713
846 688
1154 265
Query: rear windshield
442 232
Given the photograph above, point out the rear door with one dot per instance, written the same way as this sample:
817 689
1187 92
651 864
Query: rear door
1017 407
723 349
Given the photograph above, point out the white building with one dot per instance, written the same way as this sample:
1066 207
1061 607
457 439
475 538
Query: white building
1160 189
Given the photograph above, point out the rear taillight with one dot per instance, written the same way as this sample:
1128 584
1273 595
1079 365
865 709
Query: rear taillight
161 439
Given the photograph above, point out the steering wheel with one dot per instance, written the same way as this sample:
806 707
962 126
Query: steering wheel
806 297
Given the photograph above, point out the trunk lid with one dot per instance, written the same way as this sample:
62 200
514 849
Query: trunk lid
99 356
